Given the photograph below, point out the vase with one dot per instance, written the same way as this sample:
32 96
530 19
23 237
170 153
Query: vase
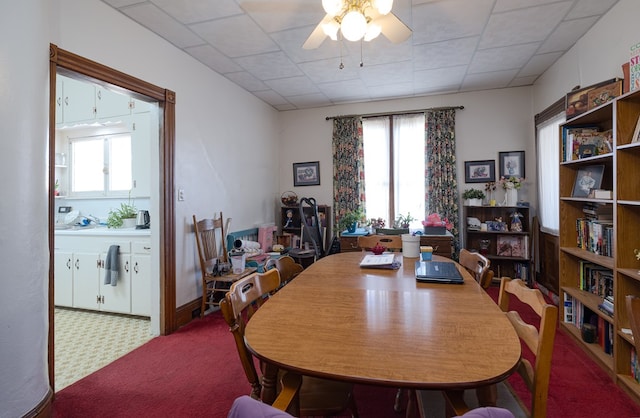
511 197
352 228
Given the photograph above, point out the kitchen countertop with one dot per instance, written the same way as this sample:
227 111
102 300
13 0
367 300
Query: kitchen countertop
102 231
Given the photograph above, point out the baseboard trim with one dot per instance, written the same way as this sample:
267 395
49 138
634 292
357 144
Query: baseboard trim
184 313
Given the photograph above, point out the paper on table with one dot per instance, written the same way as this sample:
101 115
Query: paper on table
380 261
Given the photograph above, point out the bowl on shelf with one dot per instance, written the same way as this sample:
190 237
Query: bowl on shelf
289 198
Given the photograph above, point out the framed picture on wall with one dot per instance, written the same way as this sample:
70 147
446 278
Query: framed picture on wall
479 171
511 164
306 174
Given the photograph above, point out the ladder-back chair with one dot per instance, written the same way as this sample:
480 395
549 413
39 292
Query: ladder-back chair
478 265
317 396
210 241
390 242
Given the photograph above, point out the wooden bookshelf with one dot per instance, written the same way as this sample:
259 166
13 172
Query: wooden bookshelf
621 174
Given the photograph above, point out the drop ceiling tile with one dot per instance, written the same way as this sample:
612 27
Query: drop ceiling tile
235 36
585 8
497 59
444 54
345 91
328 70
523 81
271 97
308 101
431 79
212 58
151 17
121 3
538 64
523 26
247 81
392 91
486 81
269 66
567 34
192 11
453 19
395 73
275 16
507 5
292 86
379 51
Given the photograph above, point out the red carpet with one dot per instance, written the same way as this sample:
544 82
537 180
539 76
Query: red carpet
195 372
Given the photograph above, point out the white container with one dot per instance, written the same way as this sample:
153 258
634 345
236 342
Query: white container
237 263
411 245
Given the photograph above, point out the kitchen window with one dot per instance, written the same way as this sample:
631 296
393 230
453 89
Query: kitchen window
101 165
394 167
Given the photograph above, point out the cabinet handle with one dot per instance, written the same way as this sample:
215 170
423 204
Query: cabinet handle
99 94
77 264
59 101
69 264
146 248
99 264
98 299
135 267
102 299
126 267
66 101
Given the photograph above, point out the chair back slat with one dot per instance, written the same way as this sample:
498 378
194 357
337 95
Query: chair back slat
390 242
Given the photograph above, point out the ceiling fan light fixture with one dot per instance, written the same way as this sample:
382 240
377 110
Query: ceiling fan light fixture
354 26
373 31
382 6
331 29
333 7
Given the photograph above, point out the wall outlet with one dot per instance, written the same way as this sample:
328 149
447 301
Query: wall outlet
180 195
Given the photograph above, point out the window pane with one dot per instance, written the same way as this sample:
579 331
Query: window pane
120 163
375 133
409 144
548 174
87 165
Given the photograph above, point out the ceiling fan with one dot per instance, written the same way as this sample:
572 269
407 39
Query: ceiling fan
357 20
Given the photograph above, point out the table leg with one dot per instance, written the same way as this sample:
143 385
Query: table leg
269 383
487 395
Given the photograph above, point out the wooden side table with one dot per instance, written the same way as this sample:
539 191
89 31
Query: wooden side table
442 244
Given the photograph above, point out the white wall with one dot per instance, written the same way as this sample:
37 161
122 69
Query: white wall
24 80
226 139
596 57
491 121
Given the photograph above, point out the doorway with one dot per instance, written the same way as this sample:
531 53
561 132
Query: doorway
64 62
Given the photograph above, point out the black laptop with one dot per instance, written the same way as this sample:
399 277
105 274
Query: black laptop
438 272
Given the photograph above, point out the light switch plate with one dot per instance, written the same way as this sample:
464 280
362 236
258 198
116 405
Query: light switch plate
64 209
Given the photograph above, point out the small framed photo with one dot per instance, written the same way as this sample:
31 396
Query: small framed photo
479 171
306 174
511 164
587 179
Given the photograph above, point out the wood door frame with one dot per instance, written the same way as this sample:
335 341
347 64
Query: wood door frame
61 61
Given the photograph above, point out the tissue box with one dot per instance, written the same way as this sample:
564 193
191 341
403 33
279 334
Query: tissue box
435 230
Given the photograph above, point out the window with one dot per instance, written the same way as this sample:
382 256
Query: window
548 173
101 165
394 165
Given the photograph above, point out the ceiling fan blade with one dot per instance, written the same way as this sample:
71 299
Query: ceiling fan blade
393 28
317 36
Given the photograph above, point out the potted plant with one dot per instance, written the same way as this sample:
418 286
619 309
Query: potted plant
350 219
117 217
404 221
473 197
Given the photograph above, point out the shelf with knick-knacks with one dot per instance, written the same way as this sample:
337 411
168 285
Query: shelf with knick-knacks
502 234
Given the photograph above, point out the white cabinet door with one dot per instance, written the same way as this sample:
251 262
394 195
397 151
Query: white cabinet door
78 101
63 278
110 104
116 298
85 280
141 153
141 284
59 99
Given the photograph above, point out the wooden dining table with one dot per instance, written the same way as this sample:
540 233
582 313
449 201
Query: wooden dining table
339 321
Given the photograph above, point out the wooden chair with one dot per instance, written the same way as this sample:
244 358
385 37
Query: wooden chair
393 243
286 405
288 268
633 312
317 396
539 341
478 265
210 232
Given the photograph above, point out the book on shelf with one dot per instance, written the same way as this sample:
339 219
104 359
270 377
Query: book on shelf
595 235
568 308
583 142
601 194
596 279
381 261
598 211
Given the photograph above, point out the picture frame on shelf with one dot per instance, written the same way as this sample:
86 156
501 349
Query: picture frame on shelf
587 179
511 246
577 101
306 174
601 95
482 171
511 164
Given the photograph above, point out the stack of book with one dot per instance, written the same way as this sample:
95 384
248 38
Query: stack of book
607 306
596 279
595 230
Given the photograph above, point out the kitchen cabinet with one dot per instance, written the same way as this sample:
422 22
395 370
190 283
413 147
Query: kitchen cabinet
79 273
141 132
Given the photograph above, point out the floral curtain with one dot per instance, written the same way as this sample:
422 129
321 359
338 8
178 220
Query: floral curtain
440 177
348 167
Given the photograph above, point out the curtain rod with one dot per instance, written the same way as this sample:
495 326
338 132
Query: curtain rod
408 112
